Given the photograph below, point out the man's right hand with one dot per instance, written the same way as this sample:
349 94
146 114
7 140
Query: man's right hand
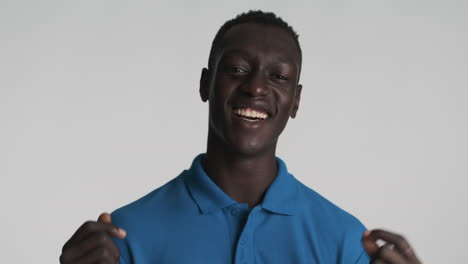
92 243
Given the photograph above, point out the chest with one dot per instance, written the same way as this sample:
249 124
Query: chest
238 237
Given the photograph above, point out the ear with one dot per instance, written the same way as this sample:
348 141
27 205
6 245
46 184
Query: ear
204 85
297 99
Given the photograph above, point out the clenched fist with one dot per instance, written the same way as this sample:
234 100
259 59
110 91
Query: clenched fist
92 243
395 250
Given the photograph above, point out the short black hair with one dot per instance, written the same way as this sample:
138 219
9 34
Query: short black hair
256 17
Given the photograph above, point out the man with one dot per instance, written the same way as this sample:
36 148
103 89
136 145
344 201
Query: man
237 203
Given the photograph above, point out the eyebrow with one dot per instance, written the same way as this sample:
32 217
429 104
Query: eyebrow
245 53
235 52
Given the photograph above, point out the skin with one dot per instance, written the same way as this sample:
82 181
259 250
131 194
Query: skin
395 248
258 67
92 243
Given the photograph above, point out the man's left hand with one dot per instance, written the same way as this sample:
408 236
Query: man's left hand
395 249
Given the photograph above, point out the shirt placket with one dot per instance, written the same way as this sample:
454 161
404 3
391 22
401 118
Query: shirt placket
245 246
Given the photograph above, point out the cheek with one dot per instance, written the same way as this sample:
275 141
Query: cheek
219 100
221 90
285 103
285 106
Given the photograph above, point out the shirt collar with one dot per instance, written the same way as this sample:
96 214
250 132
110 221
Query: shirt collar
280 197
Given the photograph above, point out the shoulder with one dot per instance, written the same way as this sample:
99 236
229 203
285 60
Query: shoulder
314 203
335 226
157 201
138 218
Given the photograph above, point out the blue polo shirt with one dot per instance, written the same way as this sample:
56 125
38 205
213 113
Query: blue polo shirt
191 220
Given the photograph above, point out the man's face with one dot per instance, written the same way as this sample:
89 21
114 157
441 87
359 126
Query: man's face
253 87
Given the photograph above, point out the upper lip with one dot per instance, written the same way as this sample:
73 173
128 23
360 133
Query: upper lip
261 107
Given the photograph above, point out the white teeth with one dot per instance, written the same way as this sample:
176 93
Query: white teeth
250 113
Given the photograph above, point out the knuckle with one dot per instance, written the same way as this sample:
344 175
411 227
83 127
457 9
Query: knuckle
102 238
87 225
409 252
400 238
103 253
65 246
63 259
402 242
385 252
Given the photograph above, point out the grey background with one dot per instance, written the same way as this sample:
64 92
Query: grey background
99 105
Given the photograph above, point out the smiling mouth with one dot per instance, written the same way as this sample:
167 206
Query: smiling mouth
249 114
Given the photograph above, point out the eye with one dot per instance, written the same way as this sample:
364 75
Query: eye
281 77
238 70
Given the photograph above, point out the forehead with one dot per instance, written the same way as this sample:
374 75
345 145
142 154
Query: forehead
260 40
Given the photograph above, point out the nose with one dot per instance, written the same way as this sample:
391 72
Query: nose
257 85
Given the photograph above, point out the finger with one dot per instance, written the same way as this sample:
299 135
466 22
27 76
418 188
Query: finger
90 227
91 242
399 241
388 254
105 218
370 243
97 255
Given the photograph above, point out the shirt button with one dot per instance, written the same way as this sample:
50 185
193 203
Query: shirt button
235 211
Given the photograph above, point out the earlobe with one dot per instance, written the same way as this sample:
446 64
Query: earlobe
204 85
297 99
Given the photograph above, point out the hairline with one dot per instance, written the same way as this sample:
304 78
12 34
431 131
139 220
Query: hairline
215 49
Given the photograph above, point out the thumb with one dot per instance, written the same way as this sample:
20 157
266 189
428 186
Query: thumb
370 243
105 218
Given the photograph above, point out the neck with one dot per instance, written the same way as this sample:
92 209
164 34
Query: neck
244 177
